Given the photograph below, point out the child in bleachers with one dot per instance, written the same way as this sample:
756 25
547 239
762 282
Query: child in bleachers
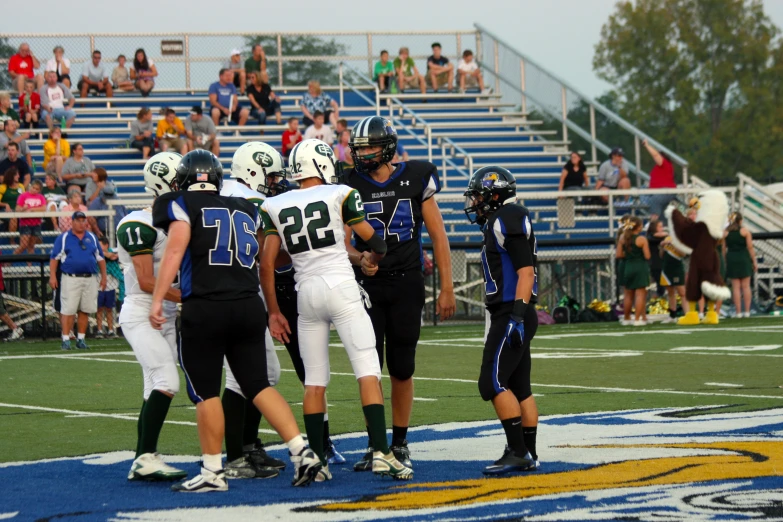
107 299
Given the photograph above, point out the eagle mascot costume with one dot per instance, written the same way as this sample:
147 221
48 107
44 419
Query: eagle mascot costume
699 238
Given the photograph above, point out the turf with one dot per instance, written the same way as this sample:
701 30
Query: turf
57 404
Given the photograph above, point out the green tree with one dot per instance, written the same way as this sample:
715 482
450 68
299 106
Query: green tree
300 72
6 51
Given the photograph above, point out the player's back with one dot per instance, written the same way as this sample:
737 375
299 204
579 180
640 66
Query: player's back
235 189
220 261
310 225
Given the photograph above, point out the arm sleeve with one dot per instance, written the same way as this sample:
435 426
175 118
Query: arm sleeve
267 223
67 92
44 96
137 238
353 210
431 183
513 236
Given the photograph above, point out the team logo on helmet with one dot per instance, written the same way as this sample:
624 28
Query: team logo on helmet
264 159
324 150
159 168
492 180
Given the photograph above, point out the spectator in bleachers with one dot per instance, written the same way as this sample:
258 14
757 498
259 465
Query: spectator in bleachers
401 154
16 332
574 174
224 100
318 130
120 77
14 159
291 136
61 65
257 61
342 151
143 72
235 65
51 187
439 69
6 111
342 125
661 176
407 73
53 98
141 134
316 100
30 105
469 73
107 299
171 133
264 102
201 132
613 173
22 66
384 72
9 135
56 151
99 190
30 228
78 169
75 204
95 77
9 193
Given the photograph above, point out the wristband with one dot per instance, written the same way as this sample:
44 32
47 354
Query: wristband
520 308
377 244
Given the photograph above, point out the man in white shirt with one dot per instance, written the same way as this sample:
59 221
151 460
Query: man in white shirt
53 98
94 77
468 72
319 131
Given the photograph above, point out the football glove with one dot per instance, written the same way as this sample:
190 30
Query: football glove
365 297
515 331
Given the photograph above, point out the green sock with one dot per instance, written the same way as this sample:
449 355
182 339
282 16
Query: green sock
314 426
252 421
139 426
376 427
154 415
234 413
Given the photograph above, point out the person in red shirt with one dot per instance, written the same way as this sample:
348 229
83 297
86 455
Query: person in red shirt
30 104
661 176
291 136
22 66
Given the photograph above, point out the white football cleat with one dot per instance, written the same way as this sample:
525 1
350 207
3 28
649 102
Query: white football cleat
306 467
323 474
389 465
206 482
150 466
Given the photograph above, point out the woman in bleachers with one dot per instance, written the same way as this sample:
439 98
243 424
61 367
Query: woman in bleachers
56 151
9 194
78 169
61 65
142 135
74 204
316 100
574 175
740 263
143 72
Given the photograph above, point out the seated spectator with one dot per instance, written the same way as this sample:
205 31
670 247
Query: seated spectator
61 65
384 72
613 173
141 133
51 187
439 69
291 136
22 66
407 72
342 151
75 204
143 72
99 190
78 169
224 100
9 194
55 195
9 135
30 105
574 174
316 100
469 73
318 130
401 154
264 102
201 132
661 176
53 98
94 77
30 228
171 133
342 125
235 65
120 77
6 111
257 61
56 151
14 159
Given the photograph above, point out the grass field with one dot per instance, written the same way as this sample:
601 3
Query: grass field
56 404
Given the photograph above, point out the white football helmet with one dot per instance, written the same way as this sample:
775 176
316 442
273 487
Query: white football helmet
312 159
254 161
160 172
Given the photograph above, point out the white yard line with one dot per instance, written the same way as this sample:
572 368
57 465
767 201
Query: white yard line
66 355
724 384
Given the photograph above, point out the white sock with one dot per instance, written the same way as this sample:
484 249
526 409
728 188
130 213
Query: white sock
66 337
80 336
326 416
213 463
296 445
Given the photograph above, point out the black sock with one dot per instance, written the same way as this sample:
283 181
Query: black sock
376 426
252 421
326 433
514 439
673 313
154 415
369 437
314 425
234 413
399 433
529 436
139 426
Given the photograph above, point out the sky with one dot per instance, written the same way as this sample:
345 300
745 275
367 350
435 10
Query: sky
558 34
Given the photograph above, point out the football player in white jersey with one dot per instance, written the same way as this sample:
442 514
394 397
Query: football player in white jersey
141 248
309 224
245 454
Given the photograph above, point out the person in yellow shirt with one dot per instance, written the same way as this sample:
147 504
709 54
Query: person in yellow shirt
56 151
171 133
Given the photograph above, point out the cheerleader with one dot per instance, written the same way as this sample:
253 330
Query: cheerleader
620 262
673 277
655 236
635 250
740 262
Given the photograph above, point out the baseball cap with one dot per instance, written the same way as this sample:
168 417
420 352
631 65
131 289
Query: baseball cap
235 51
617 151
79 215
196 110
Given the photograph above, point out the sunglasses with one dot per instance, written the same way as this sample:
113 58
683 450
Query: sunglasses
84 247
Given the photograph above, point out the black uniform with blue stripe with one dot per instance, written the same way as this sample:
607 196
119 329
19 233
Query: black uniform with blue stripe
285 290
509 245
222 313
396 291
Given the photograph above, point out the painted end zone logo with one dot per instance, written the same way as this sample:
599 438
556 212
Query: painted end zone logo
641 465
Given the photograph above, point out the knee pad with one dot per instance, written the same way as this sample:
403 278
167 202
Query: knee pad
254 387
402 369
164 379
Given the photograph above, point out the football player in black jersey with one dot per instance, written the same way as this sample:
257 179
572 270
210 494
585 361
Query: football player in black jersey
508 258
213 244
397 198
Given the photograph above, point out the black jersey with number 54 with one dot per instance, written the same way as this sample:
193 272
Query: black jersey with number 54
393 209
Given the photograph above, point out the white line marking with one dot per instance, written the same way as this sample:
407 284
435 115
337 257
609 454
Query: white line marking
730 354
73 355
744 348
724 384
424 399
668 392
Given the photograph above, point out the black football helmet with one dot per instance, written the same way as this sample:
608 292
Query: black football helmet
484 185
200 170
373 131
